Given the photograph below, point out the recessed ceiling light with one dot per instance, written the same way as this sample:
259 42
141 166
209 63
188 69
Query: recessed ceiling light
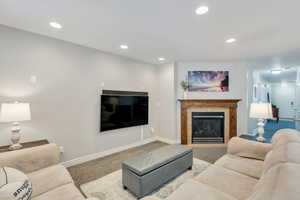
276 71
161 59
55 25
123 46
201 10
231 40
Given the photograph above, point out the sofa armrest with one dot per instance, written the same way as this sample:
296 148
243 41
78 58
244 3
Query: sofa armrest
247 148
48 179
31 159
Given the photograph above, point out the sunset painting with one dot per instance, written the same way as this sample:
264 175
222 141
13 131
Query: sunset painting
208 81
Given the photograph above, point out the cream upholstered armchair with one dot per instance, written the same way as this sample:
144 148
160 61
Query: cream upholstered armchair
50 180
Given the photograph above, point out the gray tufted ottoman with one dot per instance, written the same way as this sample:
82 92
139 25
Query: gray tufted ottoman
147 172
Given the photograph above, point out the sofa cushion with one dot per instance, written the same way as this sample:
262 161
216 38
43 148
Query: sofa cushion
247 148
281 154
49 178
285 136
31 159
193 190
65 192
246 166
230 182
279 183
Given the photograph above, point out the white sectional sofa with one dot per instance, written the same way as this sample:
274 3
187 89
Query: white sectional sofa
250 171
50 180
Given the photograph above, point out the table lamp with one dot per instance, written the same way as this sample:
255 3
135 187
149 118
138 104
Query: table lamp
261 111
15 113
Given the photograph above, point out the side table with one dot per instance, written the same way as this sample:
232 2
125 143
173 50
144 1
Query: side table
25 145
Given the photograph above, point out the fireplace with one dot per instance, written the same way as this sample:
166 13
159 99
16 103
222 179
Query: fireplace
208 127
208 122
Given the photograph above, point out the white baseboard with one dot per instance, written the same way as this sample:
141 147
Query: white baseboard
94 156
165 140
250 134
286 119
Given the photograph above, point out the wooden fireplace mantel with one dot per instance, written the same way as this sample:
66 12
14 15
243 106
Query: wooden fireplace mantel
230 104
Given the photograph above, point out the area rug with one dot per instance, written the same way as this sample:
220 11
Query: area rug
110 186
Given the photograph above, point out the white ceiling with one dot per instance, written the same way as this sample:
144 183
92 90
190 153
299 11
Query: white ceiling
288 75
165 28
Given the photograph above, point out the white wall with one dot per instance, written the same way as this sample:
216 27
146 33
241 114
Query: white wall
167 102
65 101
282 96
237 87
253 79
66 98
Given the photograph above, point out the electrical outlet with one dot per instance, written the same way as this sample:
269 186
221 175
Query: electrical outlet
33 79
152 129
61 149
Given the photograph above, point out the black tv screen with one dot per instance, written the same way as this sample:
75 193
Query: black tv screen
119 111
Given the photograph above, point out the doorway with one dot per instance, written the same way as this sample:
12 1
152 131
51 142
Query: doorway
281 88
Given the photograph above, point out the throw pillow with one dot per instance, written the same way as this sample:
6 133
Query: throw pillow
14 185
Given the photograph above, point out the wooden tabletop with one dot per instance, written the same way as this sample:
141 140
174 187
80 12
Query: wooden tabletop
26 145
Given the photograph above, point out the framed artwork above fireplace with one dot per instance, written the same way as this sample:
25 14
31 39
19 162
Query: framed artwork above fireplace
208 81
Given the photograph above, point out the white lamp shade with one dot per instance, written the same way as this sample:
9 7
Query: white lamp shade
261 110
15 112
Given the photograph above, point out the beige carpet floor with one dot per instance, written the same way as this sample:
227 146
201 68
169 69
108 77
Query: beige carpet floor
101 167
110 187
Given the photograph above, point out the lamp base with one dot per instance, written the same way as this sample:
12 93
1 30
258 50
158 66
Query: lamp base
15 137
260 130
260 139
15 147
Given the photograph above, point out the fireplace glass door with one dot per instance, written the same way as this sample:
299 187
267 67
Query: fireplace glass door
207 127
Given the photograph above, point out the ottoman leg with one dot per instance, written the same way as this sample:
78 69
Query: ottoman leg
124 187
190 168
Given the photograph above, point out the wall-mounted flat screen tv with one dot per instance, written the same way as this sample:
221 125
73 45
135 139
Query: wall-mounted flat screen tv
121 111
